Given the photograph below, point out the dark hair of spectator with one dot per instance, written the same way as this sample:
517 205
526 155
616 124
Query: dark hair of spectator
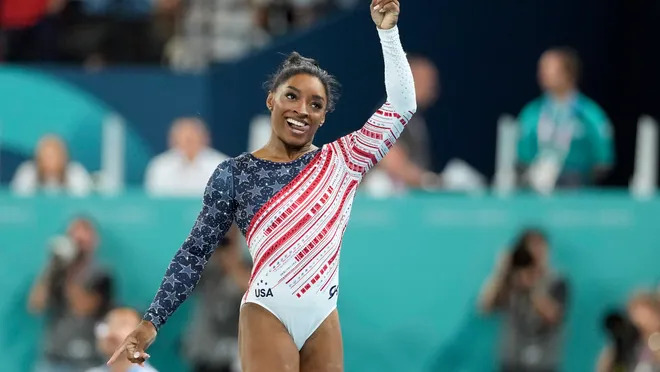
529 233
296 64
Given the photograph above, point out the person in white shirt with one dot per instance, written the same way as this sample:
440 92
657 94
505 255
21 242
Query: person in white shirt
51 171
185 168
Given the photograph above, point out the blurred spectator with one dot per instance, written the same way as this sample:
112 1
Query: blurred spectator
29 29
101 32
118 324
51 171
214 30
409 161
74 292
533 299
278 17
185 169
565 138
635 348
408 164
212 338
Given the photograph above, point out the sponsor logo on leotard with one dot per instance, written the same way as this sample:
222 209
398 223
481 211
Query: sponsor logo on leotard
333 291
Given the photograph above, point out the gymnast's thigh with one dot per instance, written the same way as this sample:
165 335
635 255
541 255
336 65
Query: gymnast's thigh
323 351
264 343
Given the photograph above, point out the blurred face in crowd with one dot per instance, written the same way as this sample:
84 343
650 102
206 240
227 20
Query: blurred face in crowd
83 233
118 325
298 109
189 136
427 85
554 77
644 312
51 158
538 247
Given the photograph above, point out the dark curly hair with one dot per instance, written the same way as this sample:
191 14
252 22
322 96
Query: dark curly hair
296 64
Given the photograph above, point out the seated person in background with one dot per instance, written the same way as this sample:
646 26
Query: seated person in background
118 324
533 299
186 167
565 138
636 344
51 171
212 338
74 292
408 164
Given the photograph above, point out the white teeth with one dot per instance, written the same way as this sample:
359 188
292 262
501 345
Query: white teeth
295 123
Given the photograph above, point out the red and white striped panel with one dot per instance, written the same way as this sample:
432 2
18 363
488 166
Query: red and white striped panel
296 236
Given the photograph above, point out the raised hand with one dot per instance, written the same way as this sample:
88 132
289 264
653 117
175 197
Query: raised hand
385 13
135 344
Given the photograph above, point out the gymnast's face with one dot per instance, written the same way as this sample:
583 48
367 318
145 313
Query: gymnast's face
298 108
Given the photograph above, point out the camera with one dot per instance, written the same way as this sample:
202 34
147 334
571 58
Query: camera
521 258
63 249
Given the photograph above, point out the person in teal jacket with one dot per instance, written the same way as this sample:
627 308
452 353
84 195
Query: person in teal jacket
565 124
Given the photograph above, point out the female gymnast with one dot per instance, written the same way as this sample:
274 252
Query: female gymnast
292 202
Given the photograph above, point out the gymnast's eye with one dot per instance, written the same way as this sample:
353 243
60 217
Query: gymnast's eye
290 96
317 105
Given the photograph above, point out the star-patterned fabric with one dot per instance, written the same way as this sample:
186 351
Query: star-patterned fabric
236 191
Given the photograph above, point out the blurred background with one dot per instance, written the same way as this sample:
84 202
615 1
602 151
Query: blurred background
516 221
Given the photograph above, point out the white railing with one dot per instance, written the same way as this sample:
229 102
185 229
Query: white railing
504 181
113 155
645 176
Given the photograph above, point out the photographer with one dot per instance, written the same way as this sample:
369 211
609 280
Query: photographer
533 298
74 293
634 339
211 344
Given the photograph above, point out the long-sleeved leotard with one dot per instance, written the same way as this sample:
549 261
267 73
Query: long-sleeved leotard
292 214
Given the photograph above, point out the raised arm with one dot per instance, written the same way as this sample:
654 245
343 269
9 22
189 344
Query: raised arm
185 269
364 148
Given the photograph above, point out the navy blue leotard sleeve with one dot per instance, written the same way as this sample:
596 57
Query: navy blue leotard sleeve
185 269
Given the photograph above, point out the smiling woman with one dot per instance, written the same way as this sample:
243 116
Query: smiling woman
292 201
299 96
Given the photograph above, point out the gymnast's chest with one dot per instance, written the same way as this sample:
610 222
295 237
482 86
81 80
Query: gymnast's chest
257 183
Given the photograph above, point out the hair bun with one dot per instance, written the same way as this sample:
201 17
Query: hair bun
295 59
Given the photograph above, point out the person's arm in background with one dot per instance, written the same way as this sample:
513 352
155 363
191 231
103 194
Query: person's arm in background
91 296
25 180
550 304
495 286
599 132
397 164
41 290
605 361
527 136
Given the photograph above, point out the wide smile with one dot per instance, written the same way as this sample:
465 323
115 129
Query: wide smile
297 126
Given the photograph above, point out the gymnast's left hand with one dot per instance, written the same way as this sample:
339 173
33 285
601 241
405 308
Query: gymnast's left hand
385 13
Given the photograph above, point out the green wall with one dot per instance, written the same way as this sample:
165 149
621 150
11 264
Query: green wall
410 270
